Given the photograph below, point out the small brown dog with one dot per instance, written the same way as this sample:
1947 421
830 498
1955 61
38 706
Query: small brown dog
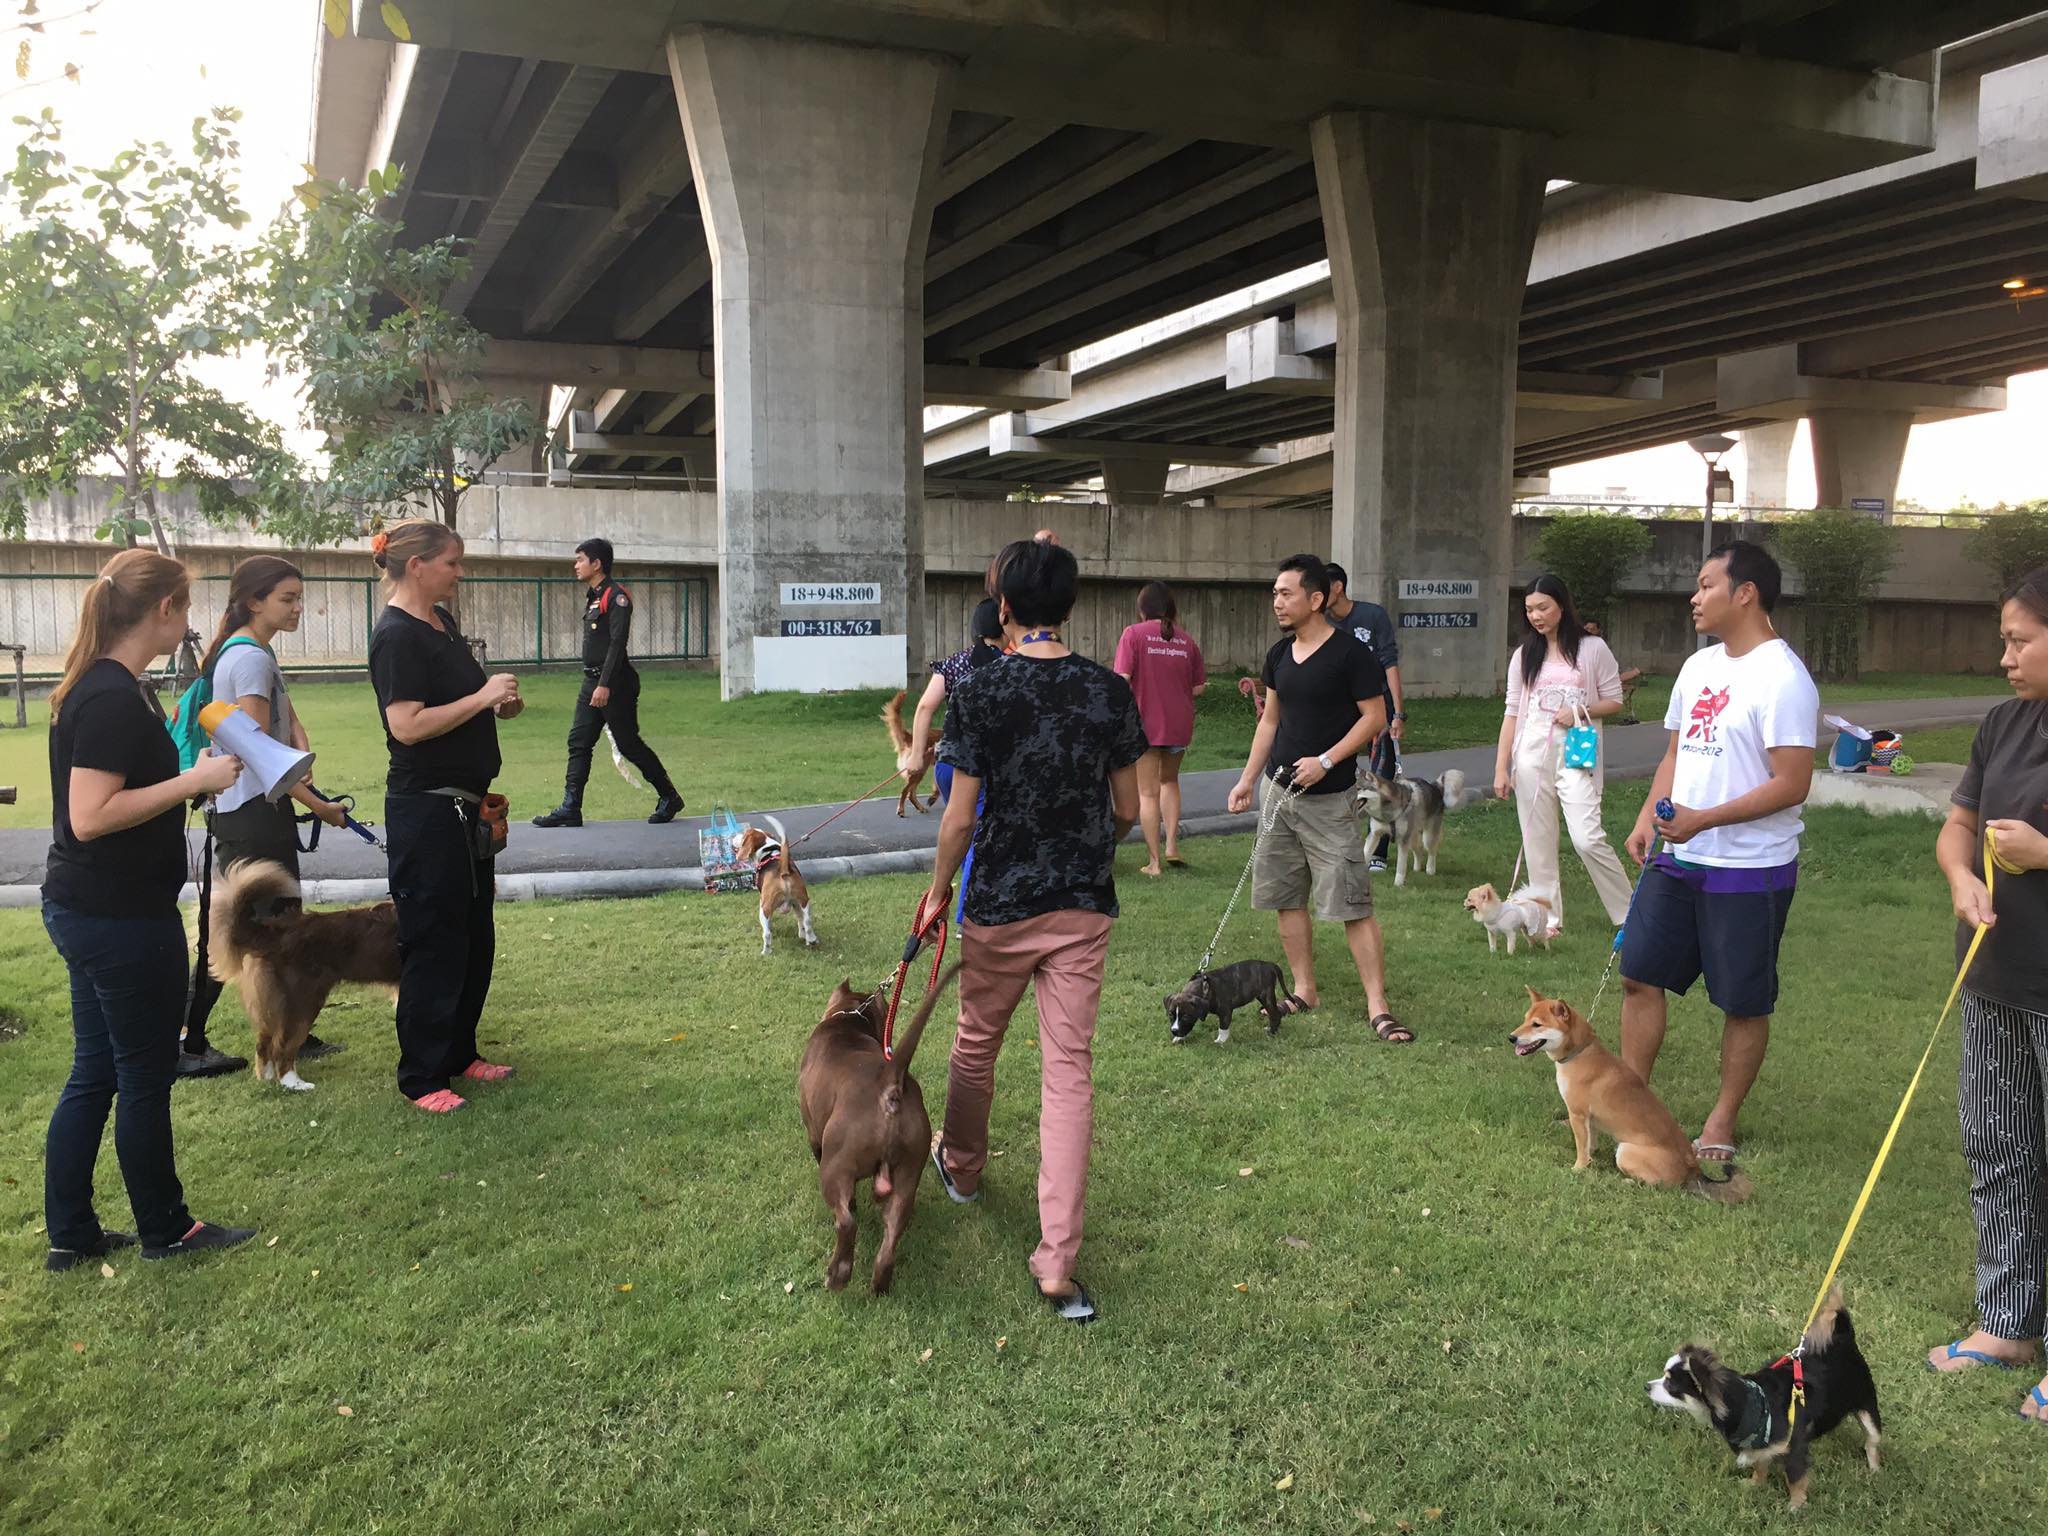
285 960
913 773
865 1117
782 887
1602 1093
1524 912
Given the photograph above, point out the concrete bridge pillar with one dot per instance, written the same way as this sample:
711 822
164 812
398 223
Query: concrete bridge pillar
1766 462
1430 228
814 165
1856 456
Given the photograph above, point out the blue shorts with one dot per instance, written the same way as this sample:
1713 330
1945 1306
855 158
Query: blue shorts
1691 920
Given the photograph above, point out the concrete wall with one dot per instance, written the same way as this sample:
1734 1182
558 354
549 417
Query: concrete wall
1935 613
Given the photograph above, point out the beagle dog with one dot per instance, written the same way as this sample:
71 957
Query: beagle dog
782 887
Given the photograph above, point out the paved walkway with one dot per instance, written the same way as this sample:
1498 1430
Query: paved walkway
873 827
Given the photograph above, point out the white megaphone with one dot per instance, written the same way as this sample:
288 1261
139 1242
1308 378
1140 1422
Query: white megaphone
277 767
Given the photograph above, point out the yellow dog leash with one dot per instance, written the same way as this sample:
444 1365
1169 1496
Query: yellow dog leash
1992 860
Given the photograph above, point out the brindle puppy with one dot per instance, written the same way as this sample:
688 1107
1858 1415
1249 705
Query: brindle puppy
1222 992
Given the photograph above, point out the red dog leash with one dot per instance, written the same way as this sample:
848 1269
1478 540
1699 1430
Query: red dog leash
920 926
856 800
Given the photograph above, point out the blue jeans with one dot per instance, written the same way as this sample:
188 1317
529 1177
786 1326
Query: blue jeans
942 775
128 979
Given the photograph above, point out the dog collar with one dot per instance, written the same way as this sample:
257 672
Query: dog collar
769 853
1564 1061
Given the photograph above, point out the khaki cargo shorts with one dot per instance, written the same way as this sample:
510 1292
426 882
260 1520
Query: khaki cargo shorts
1312 848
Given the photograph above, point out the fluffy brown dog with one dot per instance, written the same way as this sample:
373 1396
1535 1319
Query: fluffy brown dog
1601 1093
285 963
865 1117
913 773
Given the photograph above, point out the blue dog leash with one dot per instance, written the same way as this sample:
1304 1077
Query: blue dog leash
348 820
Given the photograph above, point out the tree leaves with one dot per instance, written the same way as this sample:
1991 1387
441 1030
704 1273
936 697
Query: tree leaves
334 14
394 21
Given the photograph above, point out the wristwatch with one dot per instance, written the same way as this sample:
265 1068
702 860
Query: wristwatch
1324 759
1400 714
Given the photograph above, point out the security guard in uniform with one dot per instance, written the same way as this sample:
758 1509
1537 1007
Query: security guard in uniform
610 696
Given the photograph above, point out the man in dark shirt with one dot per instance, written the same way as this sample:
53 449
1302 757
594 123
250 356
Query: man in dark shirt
1373 625
1053 740
1325 699
610 697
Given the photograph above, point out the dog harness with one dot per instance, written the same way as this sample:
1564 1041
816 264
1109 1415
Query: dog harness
1753 1429
765 859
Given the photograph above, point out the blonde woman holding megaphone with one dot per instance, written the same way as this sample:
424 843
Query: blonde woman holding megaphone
110 903
440 717
266 596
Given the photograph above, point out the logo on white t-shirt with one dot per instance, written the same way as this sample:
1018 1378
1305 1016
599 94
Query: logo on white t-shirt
1706 709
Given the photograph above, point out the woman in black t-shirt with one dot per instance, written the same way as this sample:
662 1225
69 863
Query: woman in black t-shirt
2002 1095
440 718
110 904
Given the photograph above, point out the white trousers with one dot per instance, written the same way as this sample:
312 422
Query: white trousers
1543 787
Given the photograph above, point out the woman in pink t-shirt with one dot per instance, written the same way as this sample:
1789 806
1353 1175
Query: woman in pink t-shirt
1557 674
1164 667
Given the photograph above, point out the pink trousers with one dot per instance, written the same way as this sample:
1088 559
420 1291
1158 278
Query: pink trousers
1063 952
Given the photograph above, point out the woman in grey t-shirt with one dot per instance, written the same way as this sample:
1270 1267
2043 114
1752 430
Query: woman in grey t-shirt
265 595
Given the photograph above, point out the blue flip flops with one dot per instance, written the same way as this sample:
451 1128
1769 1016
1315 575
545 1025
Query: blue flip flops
2040 1400
1957 1352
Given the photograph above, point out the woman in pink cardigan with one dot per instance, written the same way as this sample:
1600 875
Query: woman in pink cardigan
1559 672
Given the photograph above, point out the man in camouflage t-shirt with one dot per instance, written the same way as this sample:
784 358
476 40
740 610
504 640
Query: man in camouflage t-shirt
1053 740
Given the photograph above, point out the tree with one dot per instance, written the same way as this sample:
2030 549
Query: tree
114 286
1591 552
2012 541
1842 558
387 369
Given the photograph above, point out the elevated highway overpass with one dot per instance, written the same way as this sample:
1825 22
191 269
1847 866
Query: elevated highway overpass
757 242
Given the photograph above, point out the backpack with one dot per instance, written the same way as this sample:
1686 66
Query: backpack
186 732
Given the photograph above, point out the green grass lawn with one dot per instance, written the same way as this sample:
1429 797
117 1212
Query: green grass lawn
1363 1268
773 750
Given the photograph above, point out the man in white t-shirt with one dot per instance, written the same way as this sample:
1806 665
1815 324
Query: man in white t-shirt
1737 771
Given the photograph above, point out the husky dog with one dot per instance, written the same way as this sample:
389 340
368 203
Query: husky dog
1412 810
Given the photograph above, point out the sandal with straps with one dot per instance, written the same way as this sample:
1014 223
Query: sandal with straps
1392 1030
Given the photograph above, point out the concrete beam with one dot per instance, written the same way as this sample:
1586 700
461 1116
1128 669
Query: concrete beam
1612 109
661 369
2012 131
1201 253
583 181
1013 434
1768 383
996 388
991 153
1260 359
1071 256
654 172
1996 326
585 438
1536 389
550 128
1098 175
643 311
414 89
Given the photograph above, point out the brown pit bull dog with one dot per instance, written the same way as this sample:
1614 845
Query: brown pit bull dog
865 1117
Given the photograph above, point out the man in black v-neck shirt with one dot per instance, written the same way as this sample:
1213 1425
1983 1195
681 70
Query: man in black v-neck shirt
1325 700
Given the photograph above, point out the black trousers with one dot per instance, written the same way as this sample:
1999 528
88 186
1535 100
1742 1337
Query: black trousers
447 939
622 713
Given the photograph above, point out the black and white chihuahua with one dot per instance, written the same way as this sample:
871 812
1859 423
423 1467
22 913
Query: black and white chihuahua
1754 1414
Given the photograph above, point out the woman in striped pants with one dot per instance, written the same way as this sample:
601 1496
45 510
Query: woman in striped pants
2004 1089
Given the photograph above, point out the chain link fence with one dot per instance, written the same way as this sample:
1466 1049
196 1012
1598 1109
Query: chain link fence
521 620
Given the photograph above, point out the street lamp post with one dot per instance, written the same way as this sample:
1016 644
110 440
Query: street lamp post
1710 448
